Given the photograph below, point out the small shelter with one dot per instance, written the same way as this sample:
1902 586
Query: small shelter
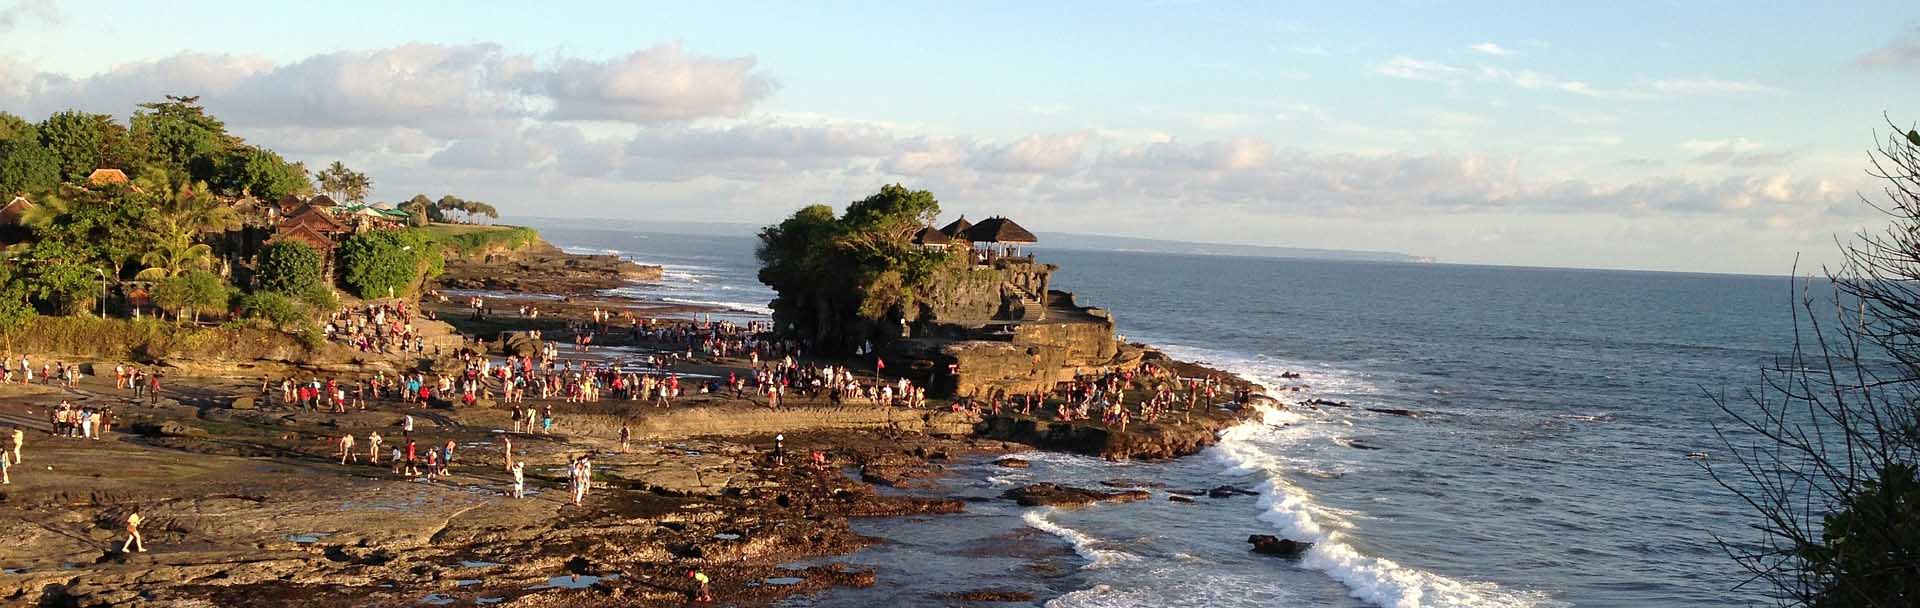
323 201
16 211
315 219
928 238
288 204
103 176
1000 230
957 229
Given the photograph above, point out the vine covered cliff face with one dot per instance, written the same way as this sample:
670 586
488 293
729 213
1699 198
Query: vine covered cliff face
845 280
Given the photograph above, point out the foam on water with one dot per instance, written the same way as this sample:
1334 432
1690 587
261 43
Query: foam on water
1295 515
1083 544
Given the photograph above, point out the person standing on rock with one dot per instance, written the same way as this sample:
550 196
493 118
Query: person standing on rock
346 448
406 425
507 450
519 480
133 532
702 586
6 465
19 439
373 447
626 435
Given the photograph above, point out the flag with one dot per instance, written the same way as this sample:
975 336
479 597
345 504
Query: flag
879 363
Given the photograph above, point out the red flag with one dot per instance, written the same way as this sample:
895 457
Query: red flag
879 363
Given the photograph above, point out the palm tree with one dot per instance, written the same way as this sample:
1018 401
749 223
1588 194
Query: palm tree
180 216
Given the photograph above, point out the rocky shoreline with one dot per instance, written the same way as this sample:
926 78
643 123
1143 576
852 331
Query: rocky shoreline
248 505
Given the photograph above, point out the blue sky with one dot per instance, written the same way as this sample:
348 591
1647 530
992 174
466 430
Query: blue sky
1675 135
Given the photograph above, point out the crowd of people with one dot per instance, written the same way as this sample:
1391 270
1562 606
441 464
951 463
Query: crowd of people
377 328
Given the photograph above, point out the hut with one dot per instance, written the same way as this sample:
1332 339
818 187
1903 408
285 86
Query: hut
957 229
322 201
1000 230
103 176
928 238
16 211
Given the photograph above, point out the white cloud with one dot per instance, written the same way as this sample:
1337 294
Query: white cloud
1410 68
1488 48
1899 54
662 83
23 11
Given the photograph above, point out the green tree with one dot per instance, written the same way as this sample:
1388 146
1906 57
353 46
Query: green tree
27 166
58 279
288 267
273 307
195 292
1826 446
343 184
179 135
15 309
181 214
389 262
834 276
262 173
12 126
78 139
105 228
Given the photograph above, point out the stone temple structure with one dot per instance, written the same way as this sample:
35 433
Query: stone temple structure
998 328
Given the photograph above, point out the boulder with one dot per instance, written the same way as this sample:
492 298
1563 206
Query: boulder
1013 463
1267 544
244 402
1228 491
1050 495
1178 498
168 428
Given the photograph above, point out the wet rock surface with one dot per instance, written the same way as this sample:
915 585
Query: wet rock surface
1051 495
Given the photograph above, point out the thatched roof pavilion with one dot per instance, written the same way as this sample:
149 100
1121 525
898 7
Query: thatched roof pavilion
930 238
999 230
957 229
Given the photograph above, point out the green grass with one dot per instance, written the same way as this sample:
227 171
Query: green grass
465 240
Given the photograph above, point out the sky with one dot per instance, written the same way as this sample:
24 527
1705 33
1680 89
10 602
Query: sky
1692 136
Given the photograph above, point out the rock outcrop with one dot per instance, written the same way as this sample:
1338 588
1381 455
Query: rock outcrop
1050 495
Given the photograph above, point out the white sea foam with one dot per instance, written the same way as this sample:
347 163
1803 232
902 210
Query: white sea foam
735 306
1292 511
1083 544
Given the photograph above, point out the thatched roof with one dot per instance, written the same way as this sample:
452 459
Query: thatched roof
999 230
958 228
15 211
312 217
322 201
102 177
929 237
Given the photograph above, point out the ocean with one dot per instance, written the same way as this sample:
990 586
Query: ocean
1546 464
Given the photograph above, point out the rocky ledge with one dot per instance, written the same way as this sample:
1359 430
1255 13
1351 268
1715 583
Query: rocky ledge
1050 495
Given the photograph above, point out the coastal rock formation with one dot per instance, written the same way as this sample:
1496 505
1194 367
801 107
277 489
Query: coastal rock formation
1013 463
1267 544
1050 495
543 268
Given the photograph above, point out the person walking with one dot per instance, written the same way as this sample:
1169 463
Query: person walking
133 533
19 439
519 481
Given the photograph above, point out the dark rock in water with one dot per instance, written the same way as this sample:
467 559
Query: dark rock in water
1188 492
1327 403
1050 495
989 595
1013 463
1361 445
1391 411
1267 544
1230 491
168 428
1178 498
1131 483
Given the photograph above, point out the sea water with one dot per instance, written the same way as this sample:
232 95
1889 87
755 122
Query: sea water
1545 464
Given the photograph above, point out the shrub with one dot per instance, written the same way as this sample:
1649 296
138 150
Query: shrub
272 307
388 263
288 267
